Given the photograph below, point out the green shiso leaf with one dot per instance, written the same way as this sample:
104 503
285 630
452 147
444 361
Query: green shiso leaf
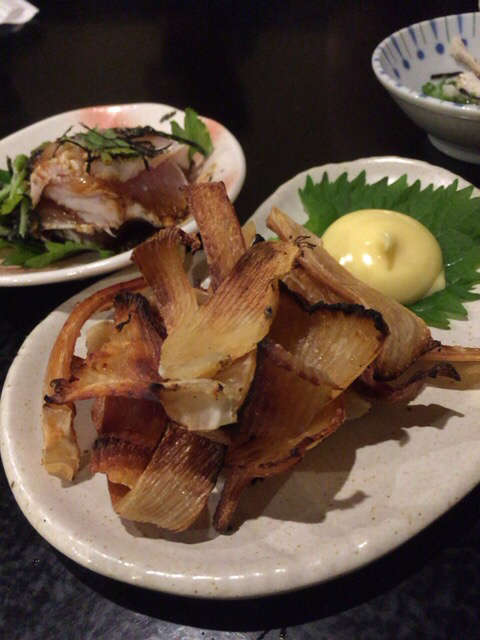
450 213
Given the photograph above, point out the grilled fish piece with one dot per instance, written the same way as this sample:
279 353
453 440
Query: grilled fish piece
76 196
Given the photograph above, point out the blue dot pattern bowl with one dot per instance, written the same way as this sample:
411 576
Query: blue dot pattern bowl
404 62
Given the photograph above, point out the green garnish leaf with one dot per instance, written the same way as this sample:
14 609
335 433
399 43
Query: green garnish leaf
36 255
194 130
20 164
450 213
11 203
18 252
25 208
59 250
15 191
5 176
440 90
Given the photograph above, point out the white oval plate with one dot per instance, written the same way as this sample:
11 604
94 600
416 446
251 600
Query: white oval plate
369 487
226 163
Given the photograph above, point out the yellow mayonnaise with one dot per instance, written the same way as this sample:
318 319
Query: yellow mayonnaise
389 251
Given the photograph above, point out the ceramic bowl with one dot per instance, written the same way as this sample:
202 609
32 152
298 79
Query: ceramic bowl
404 62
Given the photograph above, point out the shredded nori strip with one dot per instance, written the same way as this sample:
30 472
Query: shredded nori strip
122 142
439 76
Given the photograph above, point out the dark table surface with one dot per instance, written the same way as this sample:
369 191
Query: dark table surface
293 82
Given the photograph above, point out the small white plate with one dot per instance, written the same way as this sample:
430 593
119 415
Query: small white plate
366 489
226 163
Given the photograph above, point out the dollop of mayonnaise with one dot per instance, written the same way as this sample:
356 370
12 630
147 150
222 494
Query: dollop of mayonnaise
389 251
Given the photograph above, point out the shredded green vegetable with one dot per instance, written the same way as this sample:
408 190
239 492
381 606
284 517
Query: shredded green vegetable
445 89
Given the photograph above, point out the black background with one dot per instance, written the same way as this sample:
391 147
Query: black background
293 81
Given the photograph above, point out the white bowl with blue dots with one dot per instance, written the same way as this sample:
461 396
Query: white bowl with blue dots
404 62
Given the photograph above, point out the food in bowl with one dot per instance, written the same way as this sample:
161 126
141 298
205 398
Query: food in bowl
98 189
406 59
462 87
